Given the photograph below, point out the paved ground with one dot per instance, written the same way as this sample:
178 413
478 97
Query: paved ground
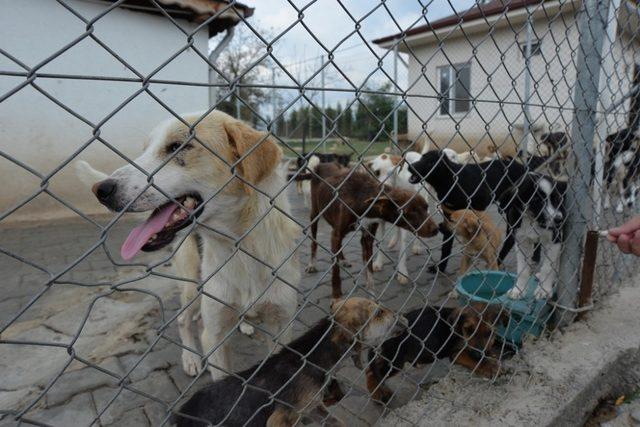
118 319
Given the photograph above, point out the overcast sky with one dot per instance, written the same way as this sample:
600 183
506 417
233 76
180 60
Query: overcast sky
330 24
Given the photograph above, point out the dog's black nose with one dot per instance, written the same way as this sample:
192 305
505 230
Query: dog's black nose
558 219
105 190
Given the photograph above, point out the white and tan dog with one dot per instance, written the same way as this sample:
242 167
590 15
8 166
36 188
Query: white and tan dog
384 167
227 177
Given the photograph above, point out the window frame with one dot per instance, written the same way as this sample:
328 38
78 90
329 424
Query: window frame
453 70
536 48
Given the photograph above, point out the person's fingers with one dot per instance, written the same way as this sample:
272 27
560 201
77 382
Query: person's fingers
612 238
628 227
624 243
635 243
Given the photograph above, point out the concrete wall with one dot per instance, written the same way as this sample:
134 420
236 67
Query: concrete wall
496 78
37 132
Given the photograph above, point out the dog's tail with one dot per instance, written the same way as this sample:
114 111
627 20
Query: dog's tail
87 174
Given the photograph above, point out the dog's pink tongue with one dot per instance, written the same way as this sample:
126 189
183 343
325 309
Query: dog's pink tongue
140 235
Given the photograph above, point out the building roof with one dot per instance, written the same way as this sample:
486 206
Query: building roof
479 11
198 11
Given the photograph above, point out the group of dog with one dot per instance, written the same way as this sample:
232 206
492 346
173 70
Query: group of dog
390 189
216 195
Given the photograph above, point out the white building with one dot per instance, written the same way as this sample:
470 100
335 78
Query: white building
467 74
58 59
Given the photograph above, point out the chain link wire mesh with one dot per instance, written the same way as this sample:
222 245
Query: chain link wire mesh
493 137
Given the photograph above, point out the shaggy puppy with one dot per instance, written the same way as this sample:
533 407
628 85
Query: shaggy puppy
479 234
349 200
223 175
294 382
464 335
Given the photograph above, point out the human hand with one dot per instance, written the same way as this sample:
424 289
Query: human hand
627 236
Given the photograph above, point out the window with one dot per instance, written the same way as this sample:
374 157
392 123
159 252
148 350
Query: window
455 82
535 48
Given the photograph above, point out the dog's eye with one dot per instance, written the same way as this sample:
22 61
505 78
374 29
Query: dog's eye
173 147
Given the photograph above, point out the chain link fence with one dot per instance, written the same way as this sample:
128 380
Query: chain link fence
443 171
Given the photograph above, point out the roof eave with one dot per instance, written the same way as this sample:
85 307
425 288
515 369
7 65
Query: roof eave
456 30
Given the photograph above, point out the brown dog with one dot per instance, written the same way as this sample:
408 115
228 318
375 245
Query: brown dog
466 336
480 235
349 200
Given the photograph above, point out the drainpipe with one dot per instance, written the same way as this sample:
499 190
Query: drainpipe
213 56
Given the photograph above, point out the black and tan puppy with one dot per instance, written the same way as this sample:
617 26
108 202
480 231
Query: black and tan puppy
295 381
464 335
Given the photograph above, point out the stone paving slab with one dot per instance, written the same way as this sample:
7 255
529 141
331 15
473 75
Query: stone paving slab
122 325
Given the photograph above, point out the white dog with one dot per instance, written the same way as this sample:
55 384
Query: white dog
226 177
384 166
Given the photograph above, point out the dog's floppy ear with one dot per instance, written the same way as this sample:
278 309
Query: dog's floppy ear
259 153
472 224
380 203
462 323
335 304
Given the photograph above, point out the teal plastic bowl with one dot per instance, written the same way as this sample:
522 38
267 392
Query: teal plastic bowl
526 315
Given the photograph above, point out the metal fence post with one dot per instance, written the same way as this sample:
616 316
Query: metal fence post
592 28
274 122
605 103
324 110
526 121
395 111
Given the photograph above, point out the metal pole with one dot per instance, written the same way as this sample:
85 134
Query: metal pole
274 124
237 94
524 143
395 111
213 56
324 121
604 105
592 27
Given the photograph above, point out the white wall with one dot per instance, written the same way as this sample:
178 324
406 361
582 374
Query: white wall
42 135
495 79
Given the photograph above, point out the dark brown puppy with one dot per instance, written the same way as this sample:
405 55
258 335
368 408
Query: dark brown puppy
295 381
464 335
347 198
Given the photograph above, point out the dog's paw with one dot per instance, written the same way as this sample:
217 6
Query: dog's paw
382 395
311 268
392 243
516 292
216 374
541 293
402 279
453 293
490 370
191 363
619 208
416 250
357 360
376 266
247 329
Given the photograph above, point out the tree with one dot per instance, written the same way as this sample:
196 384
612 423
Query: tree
374 112
346 122
238 61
